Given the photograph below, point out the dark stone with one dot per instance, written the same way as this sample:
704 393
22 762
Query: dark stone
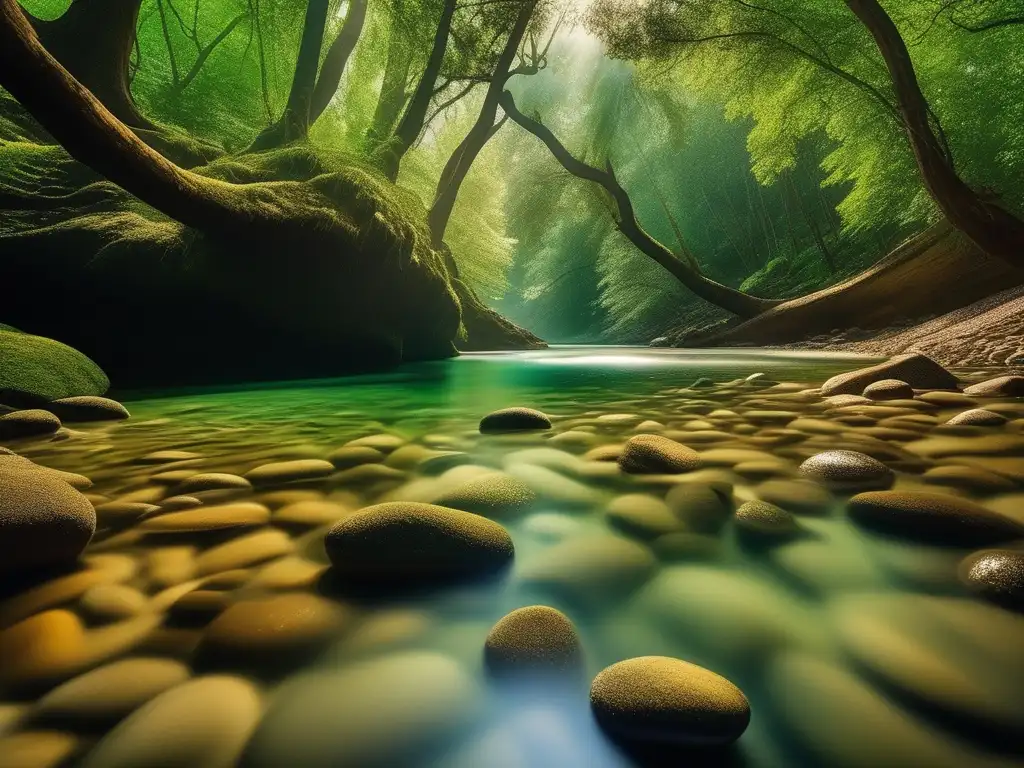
655 454
533 640
918 371
514 420
997 574
931 518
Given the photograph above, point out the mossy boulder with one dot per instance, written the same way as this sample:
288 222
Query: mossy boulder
35 369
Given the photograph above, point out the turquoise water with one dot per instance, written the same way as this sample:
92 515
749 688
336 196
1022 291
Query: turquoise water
853 651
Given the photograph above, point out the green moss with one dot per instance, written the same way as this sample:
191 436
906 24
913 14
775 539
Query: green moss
40 367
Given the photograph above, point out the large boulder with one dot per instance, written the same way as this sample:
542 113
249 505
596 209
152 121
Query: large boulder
34 369
935 518
918 371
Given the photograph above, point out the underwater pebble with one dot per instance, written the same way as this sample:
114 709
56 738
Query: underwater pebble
658 455
514 420
535 639
848 470
996 574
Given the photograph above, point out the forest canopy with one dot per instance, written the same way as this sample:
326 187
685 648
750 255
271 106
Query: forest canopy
765 149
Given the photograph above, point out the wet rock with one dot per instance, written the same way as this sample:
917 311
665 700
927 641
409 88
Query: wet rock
536 639
495 495
800 496
655 454
848 470
168 566
590 568
43 520
243 552
109 602
1003 386
918 371
642 516
758 522
550 526
289 471
87 408
574 439
368 476
554 486
270 633
514 420
842 401
383 442
197 607
977 417
213 481
310 513
972 479
759 380
416 543
997 574
243 514
168 457
34 422
664 700
931 518
889 389
288 573
120 512
684 546
699 506
110 693
179 503
350 456
379 712
212 718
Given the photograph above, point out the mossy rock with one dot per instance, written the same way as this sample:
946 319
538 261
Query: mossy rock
34 368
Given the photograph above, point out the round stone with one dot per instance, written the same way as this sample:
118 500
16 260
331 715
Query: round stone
88 408
848 470
514 420
350 456
889 389
536 639
311 513
43 520
699 506
590 568
997 574
108 602
1003 386
289 471
416 543
31 423
45 647
760 522
205 721
383 443
931 518
495 495
655 454
280 630
213 481
220 517
243 552
664 700
108 694
642 516
917 370
977 417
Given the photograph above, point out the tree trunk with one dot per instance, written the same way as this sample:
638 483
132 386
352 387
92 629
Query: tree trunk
337 58
415 115
392 91
723 296
992 228
93 41
462 159
295 121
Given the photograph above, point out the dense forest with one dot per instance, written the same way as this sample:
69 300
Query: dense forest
278 187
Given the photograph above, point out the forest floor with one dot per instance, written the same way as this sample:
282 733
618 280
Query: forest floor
989 332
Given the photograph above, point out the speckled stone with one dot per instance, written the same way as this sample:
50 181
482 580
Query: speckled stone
977 417
931 518
642 516
34 422
997 574
382 442
664 700
759 522
889 389
590 568
213 481
1003 386
495 495
848 470
350 456
916 370
87 408
655 454
514 420
700 506
535 639
242 514
289 471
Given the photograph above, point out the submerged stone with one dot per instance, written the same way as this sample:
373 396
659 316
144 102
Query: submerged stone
655 454
847 470
31 423
495 495
88 408
758 522
996 574
918 371
514 420
536 639
977 417
664 700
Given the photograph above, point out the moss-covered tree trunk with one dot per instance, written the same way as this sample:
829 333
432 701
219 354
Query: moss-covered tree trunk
415 115
93 40
992 228
295 121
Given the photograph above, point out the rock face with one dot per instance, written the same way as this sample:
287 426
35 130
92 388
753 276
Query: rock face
918 371
996 574
416 543
664 700
536 639
848 470
931 518
31 423
654 454
889 389
36 369
1004 386
87 408
514 420
43 520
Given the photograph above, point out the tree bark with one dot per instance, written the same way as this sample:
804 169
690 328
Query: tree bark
723 296
392 96
415 115
295 121
337 58
991 227
205 52
461 161
93 40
